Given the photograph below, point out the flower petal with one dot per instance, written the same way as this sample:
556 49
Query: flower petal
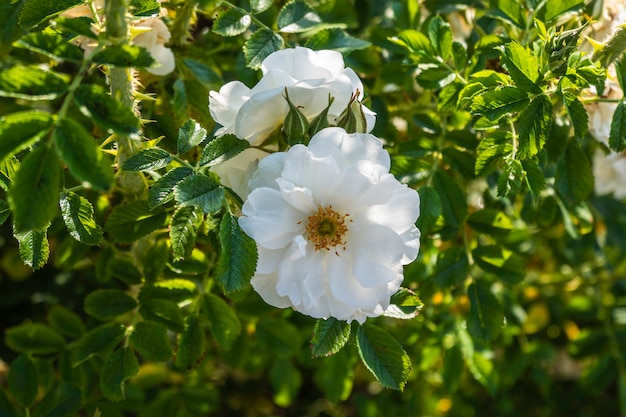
265 286
225 104
268 171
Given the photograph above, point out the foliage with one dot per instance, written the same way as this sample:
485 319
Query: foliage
125 273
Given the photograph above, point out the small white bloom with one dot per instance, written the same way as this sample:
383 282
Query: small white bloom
310 77
237 171
609 173
154 35
333 227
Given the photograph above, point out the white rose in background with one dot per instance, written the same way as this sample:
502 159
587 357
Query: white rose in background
237 171
309 76
333 227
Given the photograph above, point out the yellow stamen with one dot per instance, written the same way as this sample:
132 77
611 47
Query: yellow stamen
327 228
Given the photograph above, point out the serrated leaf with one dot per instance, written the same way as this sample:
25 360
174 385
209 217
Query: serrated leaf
453 203
150 339
490 150
82 155
10 30
150 159
34 339
37 180
99 341
164 312
184 226
490 221
577 114
108 304
95 102
486 314
405 304
23 381
574 176
200 190
155 260
535 178
430 208
383 356
203 73
499 102
505 264
78 215
238 258
191 344
131 221
8 169
222 148
65 400
141 8
176 290
162 190
66 322
279 336
522 66
124 269
36 11
434 76
617 136
51 44
18 131
5 211
232 22
297 16
31 83
534 124
555 8
77 25
440 37
452 267
329 336
124 56
190 135
511 10
510 180
260 45
117 369
261 5
335 39
225 325
34 249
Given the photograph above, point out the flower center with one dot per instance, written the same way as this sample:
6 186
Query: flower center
327 228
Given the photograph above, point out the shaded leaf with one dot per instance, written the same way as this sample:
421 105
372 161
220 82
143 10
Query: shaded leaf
34 339
107 304
238 258
34 249
65 400
51 44
486 314
577 115
99 341
31 83
279 336
162 190
18 131
505 264
335 39
183 229
131 221
329 336
95 102
150 339
452 267
78 215
574 176
617 136
23 381
125 56
163 311
66 322
225 325
191 344
36 11
117 369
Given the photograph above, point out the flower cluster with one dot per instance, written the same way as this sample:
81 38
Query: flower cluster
150 33
332 226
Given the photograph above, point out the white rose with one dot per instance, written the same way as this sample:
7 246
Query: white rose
153 36
333 227
238 170
609 173
309 76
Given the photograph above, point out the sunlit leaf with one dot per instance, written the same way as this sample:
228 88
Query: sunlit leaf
297 16
232 22
336 39
36 11
329 336
31 83
238 259
34 248
150 159
260 45
78 214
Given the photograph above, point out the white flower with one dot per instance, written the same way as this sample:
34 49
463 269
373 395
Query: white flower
237 171
609 172
333 227
310 77
153 36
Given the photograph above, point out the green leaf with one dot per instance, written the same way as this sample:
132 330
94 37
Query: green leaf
522 66
430 208
285 380
490 150
337 40
200 190
78 25
23 381
66 322
279 336
119 367
99 341
297 16
124 269
164 312
261 5
535 178
33 248
203 73
109 304
574 176
31 83
452 267
95 102
511 10
148 8
440 37
453 203
490 221
8 169
510 180
222 148
37 180
406 302
183 229
260 45
329 336
232 22
555 8
77 214
225 325
150 339
36 11
10 31
499 102
5 211
18 131
453 365
131 221
191 344
434 76
82 155
155 260
52 45
65 400
238 258
336 377
617 136
34 339
149 159
190 135
124 56
534 124
577 115
383 356
162 190
486 314
176 290
505 264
